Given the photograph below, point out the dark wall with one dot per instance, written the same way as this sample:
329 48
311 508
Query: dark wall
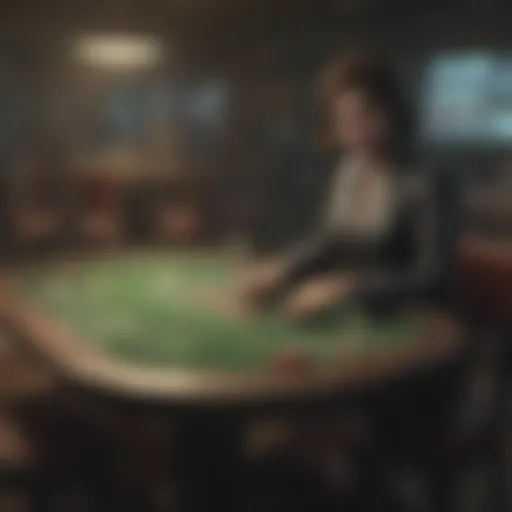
264 59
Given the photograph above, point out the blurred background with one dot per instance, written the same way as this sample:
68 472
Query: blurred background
190 120
222 92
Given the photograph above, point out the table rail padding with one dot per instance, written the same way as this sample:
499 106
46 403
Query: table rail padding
77 364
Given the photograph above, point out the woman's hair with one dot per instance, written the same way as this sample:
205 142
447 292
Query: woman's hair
374 77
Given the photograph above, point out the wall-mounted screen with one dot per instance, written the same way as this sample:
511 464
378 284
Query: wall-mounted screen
468 99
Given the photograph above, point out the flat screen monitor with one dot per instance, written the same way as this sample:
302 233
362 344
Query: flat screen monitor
468 99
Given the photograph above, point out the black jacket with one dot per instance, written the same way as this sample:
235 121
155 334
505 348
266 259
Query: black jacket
407 261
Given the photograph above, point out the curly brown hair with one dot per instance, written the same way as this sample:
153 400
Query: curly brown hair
374 76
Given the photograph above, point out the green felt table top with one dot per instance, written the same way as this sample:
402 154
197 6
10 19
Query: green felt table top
161 310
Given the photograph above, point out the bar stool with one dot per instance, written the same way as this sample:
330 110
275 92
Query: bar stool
99 217
36 207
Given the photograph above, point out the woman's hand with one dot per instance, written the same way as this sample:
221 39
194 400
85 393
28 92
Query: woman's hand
318 295
261 282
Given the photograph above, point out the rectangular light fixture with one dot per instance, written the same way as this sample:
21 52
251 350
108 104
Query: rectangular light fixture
119 51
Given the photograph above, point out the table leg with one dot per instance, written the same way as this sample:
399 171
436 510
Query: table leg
210 464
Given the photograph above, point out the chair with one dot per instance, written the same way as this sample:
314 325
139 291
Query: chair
21 472
179 214
100 209
36 207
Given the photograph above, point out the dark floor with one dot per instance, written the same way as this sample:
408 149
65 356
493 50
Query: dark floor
286 476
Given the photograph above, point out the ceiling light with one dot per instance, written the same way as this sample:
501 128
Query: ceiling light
119 51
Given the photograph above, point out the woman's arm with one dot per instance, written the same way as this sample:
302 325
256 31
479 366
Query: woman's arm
314 254
326 249
421 275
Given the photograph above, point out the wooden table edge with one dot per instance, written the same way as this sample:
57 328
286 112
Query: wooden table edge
77 363
74 362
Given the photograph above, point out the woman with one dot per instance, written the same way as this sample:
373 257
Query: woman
377 242
377 239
